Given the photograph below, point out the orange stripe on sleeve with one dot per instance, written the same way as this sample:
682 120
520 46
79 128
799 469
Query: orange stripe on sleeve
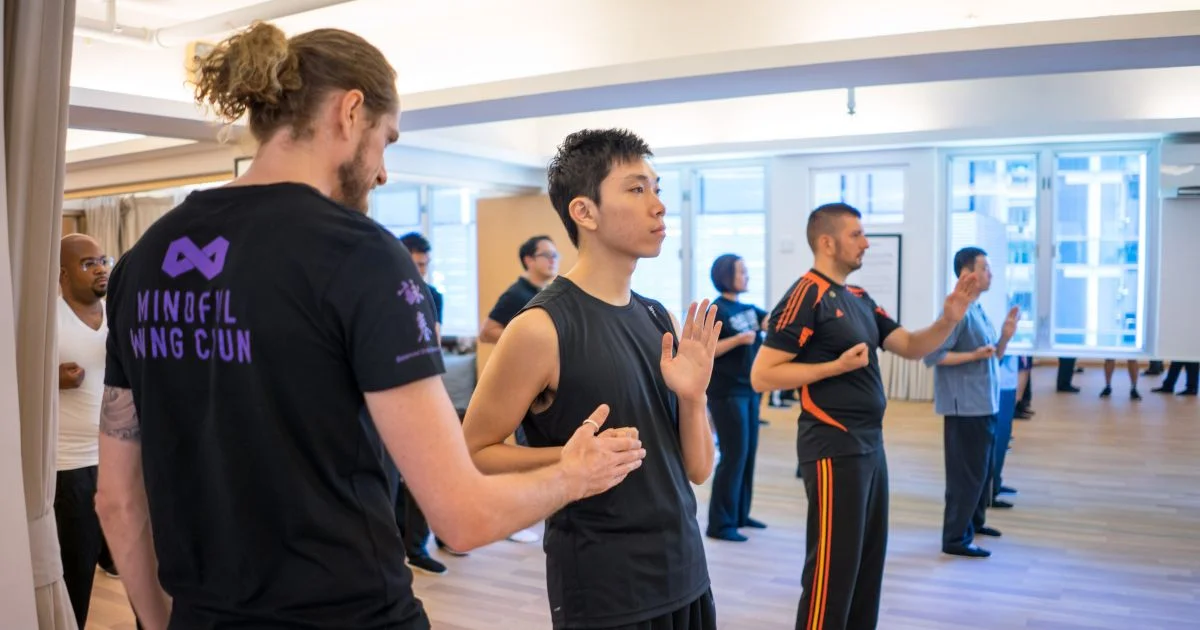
807 404
793 304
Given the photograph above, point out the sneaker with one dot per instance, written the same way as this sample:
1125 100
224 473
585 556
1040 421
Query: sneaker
425 564
753 524
525 536
1106 392
1134 395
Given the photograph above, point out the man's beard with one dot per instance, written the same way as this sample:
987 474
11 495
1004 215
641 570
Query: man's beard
854 264
353 185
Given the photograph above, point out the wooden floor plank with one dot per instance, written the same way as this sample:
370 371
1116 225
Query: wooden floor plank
1103 535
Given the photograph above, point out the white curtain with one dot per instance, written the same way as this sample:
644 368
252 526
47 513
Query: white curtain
36 61
102 221
138 214
904 379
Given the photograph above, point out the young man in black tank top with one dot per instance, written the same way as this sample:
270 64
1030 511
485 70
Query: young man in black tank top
822 338
632 558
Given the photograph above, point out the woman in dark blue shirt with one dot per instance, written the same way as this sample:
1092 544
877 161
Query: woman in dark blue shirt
733 403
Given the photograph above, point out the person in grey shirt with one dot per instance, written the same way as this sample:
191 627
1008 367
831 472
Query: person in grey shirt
966 390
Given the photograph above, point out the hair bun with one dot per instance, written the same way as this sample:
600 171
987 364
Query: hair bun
251 68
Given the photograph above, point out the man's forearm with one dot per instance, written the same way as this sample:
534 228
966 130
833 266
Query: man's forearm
127 530
958 358
792 375
923 342
507 503
695 439
510 458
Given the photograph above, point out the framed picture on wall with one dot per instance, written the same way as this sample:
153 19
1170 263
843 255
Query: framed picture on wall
241 165
880 272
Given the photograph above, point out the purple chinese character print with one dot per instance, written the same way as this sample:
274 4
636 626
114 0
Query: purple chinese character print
411 292
425 334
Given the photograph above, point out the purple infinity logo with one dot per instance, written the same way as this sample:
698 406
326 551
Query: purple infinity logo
183 256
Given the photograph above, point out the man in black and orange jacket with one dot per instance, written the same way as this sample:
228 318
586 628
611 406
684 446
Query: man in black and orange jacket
822 338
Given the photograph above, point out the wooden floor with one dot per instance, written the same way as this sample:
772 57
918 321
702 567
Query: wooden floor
1105 533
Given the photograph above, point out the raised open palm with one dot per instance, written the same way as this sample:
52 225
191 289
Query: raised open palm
965 292
688 369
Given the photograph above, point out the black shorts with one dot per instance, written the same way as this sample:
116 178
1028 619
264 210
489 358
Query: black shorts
698 615
1024 364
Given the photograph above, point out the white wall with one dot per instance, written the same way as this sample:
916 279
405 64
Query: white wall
789 202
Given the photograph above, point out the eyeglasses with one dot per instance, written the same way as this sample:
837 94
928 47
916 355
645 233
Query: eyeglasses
88 264
547 255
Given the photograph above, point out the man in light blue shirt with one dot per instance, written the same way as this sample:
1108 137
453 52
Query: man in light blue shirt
966 390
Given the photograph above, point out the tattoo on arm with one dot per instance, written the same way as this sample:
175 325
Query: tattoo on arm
118 415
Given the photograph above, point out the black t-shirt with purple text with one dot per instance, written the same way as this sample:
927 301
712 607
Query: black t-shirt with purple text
248 322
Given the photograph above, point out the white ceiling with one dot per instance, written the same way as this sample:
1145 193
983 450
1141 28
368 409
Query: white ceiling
603 61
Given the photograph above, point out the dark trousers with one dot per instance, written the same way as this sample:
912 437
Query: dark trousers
968 446
736 419
1066 372
1004 422
1193 375
847 542
414 529
79 535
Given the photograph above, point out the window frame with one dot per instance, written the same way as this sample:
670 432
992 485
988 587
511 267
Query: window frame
868 219
1045 254
690 181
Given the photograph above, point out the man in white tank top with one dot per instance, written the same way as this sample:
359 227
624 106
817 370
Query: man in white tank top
82 334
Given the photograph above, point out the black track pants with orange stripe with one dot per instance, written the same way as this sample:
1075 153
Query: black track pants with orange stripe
847 542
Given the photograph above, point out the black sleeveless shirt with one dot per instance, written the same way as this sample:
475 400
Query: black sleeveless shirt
635 552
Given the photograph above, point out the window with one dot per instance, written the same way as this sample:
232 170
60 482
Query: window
710 211
1090 295
993 205
731 219
659 278
397 208
878 193
453 269
1099 227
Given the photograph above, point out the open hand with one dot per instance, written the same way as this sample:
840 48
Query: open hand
965 292
855 358
687 373
1009 328
595 463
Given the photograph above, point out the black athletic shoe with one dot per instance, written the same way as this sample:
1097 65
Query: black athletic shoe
969 551
988 531
753 524
1134 395
1006 490
731 536
1002 505
1106 392
428 565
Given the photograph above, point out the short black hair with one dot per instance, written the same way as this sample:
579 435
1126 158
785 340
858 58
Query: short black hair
529 248
582 162
415 243
722 272
823 220
965 259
